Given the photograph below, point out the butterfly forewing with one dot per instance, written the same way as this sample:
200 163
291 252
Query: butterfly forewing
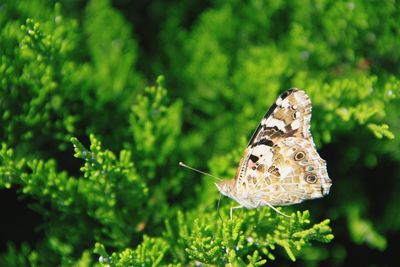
290 115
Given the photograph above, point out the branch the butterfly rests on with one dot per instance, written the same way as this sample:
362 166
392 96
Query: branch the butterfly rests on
280 165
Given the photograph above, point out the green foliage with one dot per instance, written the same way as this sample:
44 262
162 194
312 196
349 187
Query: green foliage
153 124
149 253
362 231
244 239
96 152
48 92
17 257
237 242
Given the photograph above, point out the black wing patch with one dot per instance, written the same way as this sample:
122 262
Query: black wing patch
269 112
263 141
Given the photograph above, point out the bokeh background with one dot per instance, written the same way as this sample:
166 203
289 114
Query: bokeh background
158 82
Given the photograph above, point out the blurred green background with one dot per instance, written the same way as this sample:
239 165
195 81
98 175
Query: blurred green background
158 82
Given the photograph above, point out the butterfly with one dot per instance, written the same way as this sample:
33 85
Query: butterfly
280 165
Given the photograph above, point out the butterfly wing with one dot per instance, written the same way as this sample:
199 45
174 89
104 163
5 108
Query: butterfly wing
290 115
281 165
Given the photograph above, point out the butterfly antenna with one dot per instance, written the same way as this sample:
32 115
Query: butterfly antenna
196 170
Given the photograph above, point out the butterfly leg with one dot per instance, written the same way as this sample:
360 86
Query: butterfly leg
237 207
275 209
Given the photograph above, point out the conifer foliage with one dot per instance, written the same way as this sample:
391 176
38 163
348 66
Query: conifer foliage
99 103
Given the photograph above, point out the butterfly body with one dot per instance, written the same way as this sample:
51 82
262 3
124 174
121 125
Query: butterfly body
281 165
